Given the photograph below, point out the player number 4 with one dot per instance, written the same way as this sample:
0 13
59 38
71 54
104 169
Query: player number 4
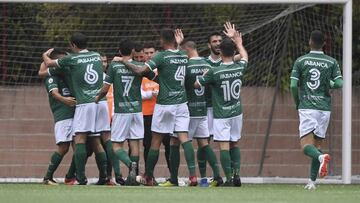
180 74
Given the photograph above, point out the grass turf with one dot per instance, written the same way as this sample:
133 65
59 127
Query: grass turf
248 193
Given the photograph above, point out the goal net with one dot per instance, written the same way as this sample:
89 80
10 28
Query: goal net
274 36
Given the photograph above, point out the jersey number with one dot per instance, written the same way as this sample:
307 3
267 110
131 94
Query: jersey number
315 79
91 76
180 74
231 91
201 91
128 82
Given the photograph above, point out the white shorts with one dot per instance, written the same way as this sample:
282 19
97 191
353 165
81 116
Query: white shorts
64 131
91 118
228 129
198 128
127 126
210 118
170 118
315 121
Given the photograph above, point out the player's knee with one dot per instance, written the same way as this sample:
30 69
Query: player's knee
203 142
63 148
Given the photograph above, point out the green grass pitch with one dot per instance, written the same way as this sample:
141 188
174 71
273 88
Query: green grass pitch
247 194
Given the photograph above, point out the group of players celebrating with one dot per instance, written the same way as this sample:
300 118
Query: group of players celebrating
197 97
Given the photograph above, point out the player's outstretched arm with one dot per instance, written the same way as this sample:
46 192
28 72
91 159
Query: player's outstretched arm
179 37
47 60
43 70
104 90
140 70
240 48
295 92
70 101
236 37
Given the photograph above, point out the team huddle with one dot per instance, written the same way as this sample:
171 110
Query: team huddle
197 98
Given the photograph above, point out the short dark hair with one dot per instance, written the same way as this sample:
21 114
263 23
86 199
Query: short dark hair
56 53
79 39
227 47
138 47
317 38
167 35
126 46
213 34
189 43
148 45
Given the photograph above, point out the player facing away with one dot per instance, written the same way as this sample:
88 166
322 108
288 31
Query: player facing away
198 127
225 81
171 114
85 71
312 76
127 122
62 106
149 93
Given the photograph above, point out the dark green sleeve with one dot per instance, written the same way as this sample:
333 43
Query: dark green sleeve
155 62
50 84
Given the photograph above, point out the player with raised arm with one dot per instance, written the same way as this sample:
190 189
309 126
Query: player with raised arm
84 68
312 76
225 82
127 122
149 92
62 106
171 114
198 127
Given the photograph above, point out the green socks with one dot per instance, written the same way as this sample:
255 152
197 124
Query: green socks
123 156
211 158
101 162
114 161
235 159
312 151
72 168
54 163
314 170
174 163
189 157
226 163
152 159
80 160
201 158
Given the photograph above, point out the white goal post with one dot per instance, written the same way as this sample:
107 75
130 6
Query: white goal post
347 54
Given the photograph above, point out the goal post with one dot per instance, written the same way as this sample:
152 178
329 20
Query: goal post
346 54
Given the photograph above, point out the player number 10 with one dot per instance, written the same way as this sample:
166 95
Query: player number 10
231 91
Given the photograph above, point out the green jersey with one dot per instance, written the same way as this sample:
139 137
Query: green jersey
59 110
126 88
213 63
314 72
225 82
171 66
85 70
196 97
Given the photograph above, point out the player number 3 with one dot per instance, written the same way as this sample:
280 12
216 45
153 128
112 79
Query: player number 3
314 78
